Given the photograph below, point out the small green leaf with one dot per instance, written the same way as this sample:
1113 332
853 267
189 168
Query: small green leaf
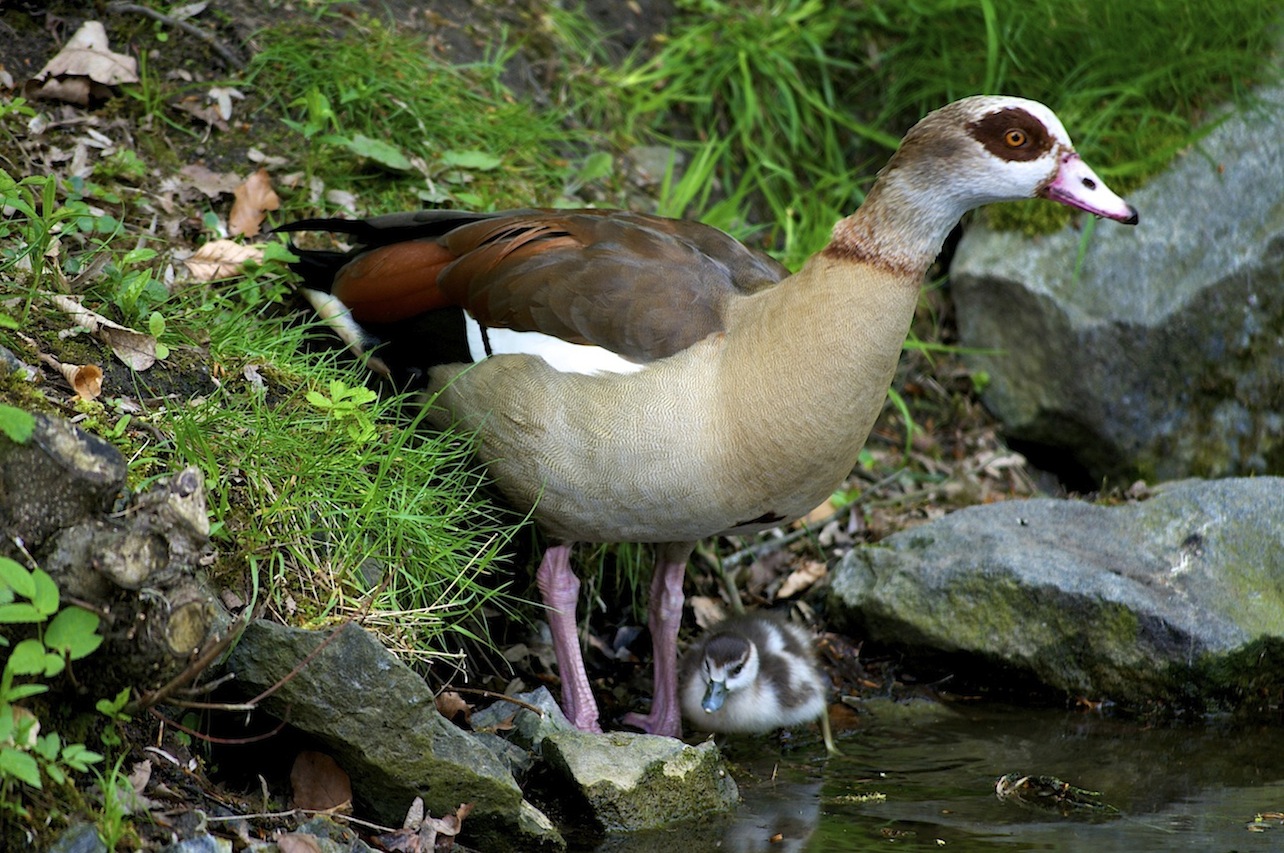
137 256
45 597
56 774
7 322
319 400
16 423
47 746
381 152
15 577
476 160
156 324
21 691
596 165
20 612
55 663
20 766
74 631
78 757
27 658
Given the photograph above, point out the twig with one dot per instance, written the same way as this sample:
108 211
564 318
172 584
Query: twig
490 694
753 552
225 741
295 812
230 59
192 670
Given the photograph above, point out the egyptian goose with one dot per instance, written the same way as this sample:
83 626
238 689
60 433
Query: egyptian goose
636 378
752 674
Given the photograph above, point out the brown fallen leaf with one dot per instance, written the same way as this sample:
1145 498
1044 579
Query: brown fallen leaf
319 783
253 199
708 610
221 259
85 379
298 842
802 578
208 182
450 705
84 69
132 347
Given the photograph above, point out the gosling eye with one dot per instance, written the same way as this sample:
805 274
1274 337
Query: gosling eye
735 670
1015 137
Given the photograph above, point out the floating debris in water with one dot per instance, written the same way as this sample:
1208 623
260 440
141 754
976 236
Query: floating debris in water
1048 793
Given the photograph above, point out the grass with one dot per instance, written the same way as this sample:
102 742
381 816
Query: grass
402 129
802 101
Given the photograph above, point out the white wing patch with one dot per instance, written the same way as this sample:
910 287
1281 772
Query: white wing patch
561 355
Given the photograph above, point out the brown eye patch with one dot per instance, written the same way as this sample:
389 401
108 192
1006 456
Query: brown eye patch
1012 134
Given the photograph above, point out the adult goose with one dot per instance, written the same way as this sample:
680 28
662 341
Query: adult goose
636 378
753 674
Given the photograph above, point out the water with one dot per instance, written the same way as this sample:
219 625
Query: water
926 781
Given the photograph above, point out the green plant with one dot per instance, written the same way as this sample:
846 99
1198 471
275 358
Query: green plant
376 108
114 710
349 406
31 598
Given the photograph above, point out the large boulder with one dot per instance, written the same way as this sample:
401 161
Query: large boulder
379 721
1175 601
1159 353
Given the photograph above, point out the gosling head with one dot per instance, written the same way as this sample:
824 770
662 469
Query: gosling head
730 663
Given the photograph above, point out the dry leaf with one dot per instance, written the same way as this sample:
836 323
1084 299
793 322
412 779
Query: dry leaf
253 199
450 704
222 96
86 379
85 68
207 181
196 106
414 814
133 348
298 842
221 259
708 610
802 578
319 784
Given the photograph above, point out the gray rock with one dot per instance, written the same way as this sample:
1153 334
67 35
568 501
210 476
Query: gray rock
1163 356
379 721
60 476
203 843
1178 599
521 725
634 782
80 838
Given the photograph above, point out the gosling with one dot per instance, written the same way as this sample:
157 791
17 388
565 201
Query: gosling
753 674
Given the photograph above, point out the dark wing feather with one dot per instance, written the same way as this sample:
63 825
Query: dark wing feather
642 286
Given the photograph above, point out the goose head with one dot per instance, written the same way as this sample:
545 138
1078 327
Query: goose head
730 663
972 152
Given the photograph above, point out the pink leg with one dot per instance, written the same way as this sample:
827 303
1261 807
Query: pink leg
560 590
666 617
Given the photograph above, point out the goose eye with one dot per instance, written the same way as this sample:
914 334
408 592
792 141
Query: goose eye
735 670
1015 138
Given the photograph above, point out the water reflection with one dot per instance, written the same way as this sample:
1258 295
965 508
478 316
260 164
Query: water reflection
928 783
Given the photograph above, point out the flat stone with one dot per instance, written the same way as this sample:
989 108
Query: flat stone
1178 599
379 721
634 781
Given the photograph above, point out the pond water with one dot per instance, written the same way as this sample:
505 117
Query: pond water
926 780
